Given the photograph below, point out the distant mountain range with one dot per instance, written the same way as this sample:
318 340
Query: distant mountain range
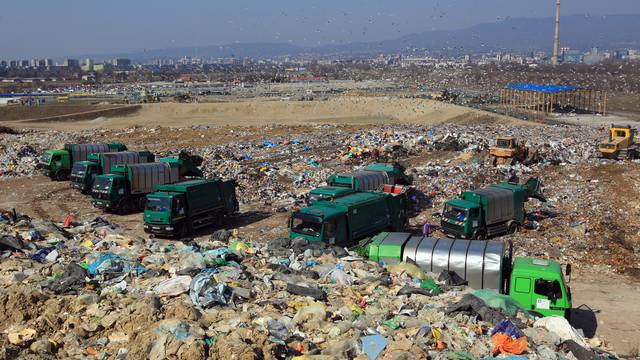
514 35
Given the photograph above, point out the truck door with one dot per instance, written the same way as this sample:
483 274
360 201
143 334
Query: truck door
520 290
56 162
178 207
547 296
335 231
92 171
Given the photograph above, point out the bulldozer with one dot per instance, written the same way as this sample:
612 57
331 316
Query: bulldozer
621 144
509 151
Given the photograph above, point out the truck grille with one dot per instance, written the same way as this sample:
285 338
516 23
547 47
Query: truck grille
451 228
101 196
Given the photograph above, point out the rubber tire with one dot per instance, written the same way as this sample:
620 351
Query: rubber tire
480 235
123 208
142 203
62 175
513 228
186 229
183 231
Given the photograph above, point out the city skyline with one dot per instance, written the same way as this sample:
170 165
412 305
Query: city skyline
73 28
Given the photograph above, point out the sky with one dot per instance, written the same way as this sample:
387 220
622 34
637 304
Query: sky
45 28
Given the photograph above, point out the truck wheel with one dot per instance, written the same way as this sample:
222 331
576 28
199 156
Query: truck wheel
62 175
480 235
513 228
185 229
122 208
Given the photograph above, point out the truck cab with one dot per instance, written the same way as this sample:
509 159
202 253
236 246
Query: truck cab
55 164
461 218
505 146
83 174
620 144
163 210
539 286
109 190
327 225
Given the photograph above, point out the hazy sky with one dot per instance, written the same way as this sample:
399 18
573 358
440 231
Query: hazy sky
39 28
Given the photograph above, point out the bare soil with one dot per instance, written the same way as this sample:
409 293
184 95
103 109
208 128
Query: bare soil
260 112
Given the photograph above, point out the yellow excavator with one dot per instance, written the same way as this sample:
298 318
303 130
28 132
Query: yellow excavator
621 144
508 150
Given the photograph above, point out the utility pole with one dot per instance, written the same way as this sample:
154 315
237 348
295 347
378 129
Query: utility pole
556 37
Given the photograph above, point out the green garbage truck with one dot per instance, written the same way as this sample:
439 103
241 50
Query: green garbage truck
178 209
492 211
536 284
124 189
57 164
350 218
83 173
372 178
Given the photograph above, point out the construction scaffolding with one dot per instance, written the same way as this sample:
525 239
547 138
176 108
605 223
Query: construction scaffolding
536 102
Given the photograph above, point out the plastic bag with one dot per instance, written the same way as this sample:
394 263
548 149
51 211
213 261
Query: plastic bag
505 344
411 270
205 292
561 327
191 260
430 284
507 327
41 255
278 330
313 312
340 278
499 301
240 246
174 286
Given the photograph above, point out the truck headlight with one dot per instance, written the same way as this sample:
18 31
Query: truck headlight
169 228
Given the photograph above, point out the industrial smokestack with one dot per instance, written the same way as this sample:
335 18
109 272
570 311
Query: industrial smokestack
556 37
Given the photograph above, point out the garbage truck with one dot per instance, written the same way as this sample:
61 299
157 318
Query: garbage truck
537 284
178 209
372 178
57 164
350 218
492 211
83 173
124 189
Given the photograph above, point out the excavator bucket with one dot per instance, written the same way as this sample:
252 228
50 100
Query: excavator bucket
534 189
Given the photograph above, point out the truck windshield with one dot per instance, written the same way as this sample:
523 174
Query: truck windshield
504 143
307 225
46 158
454 212
78 169
158 204
316 197
102 183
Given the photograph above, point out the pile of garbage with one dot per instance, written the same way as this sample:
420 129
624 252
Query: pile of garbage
91 289
20 150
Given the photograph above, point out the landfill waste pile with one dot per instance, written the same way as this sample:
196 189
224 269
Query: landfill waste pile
275 166
100 288
92 289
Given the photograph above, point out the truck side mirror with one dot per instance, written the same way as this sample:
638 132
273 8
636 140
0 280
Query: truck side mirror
567 270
